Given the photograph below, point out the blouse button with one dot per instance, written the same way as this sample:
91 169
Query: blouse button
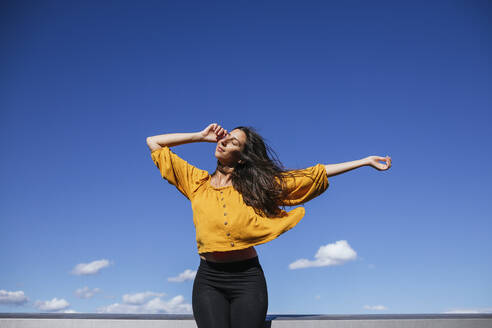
225 214
221 192
223 206
228 233
222 198
225 222
232 244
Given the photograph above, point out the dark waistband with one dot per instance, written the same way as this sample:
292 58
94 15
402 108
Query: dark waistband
231 266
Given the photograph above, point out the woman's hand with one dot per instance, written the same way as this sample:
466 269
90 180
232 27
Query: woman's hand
374 162
213 133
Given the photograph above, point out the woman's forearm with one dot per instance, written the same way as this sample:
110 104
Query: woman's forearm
173 139
335 169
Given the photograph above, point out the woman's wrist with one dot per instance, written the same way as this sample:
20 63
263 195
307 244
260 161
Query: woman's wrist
197 137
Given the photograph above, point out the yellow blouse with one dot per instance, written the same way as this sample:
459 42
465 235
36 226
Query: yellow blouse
222 220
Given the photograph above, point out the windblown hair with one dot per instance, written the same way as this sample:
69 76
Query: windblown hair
255 177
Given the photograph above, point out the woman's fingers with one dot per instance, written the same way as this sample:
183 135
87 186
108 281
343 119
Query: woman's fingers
387 164
217 129
221 131
386 159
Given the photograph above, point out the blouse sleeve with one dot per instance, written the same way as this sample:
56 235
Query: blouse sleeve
307 184
178 172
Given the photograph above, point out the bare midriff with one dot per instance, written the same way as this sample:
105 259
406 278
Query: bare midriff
230 256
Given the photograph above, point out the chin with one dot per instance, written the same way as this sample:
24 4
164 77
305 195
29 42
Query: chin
217 154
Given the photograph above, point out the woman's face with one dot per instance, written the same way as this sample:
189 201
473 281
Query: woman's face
228 150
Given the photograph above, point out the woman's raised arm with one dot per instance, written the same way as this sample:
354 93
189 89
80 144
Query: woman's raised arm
335 169
212 133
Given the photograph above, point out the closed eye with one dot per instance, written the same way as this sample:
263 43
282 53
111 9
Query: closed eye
235 141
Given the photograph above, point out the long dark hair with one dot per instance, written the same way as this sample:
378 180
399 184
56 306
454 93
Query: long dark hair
255 178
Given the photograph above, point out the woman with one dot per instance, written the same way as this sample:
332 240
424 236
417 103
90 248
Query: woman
236 208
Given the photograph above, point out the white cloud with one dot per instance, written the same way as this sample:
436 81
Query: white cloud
476 310
13 298
90 268
131 304
174 305
186 275
110 296
54 305
375 307
139 298
317 297
328 255
86 292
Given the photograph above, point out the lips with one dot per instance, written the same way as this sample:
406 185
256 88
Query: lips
220 149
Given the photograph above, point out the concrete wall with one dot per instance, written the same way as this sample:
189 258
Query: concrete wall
90 320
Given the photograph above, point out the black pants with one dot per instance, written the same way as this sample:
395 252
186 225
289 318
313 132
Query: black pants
230 295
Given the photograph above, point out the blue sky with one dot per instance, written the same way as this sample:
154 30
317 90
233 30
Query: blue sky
88 224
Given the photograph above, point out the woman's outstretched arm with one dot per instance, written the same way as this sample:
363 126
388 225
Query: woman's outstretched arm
335 169
211 133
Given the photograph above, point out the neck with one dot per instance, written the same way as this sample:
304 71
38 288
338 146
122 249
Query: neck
222 174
